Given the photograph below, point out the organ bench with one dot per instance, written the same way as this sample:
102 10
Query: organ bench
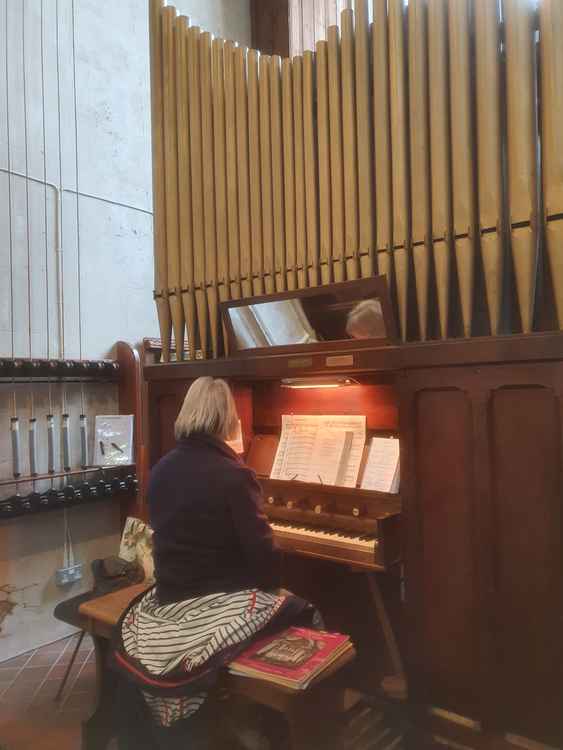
311 714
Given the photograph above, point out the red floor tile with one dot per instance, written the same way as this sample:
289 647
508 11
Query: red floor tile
45 658
66 657
83 701
32 675
55 647
47 691
16 736
87 644
18 695
58 672
8 675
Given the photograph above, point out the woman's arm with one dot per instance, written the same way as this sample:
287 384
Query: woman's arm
254 532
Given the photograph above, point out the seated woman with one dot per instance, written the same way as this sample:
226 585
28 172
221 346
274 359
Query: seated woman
216 568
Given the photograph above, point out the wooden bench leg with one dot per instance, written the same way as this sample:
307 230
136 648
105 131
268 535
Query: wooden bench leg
99 729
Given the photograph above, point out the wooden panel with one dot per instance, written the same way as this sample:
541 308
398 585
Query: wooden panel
489 155
527 452
209 191
130 395
349 145
219 137
171 176
336 167
255 183
166 400
399 164
381 122
157 114
377 402
197 182
242 395
551 28
522 143
447 654
270 26
241 104
289 174
232 171
310 154
300 211
364 141
277 172
184 184
440 156
420 158
462 157
323 135
266 176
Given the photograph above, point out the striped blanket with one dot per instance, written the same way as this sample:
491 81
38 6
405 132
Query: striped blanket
173 651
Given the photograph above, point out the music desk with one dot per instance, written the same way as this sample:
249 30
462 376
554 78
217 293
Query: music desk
312 714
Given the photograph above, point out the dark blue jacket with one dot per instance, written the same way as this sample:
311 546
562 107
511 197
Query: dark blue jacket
210 533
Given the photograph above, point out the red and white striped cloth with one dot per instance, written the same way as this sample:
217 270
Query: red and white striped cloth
182 637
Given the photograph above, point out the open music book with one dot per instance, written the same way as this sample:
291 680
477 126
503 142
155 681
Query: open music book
382 468
321 449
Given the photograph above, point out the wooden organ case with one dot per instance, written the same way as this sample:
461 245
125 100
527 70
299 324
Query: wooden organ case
477 524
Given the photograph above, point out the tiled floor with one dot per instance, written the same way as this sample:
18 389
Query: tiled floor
30 719
29 716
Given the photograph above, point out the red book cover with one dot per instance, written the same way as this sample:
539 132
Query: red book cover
294 654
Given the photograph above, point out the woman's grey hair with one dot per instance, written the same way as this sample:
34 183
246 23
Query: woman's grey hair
209 407
365 320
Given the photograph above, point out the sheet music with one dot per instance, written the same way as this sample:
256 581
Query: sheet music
357 426
297 441
329 446
381 472
326 460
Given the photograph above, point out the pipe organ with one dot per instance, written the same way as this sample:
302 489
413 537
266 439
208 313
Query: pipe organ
425 146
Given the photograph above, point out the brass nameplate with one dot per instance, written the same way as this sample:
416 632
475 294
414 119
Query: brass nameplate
300 362
341 360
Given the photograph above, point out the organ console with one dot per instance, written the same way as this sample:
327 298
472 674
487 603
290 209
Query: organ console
437 585
334 538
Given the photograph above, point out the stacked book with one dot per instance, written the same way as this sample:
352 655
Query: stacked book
294 657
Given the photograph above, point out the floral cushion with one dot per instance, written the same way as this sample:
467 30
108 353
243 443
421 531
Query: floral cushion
136 545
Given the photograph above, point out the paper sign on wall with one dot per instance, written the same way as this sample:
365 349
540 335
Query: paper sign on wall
114 440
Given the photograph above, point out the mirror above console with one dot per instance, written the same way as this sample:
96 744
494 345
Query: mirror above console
348 314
